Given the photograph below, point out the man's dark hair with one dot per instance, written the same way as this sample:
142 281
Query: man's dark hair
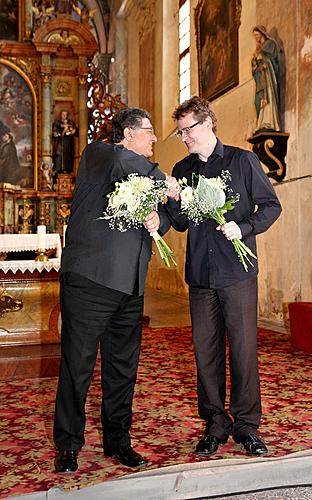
127 117
201 109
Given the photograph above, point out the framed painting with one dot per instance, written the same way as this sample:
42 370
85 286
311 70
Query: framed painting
9 20
217 23
18 125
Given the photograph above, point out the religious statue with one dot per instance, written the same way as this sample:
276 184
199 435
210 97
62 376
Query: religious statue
265 70
43 11
86 14
63 132
47 176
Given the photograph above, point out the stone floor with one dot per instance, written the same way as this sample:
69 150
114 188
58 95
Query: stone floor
165 309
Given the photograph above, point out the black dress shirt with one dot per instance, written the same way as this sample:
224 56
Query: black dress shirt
211 261
109 257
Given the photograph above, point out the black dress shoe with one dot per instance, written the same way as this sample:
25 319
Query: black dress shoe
126 455
66 461
208 445
253 444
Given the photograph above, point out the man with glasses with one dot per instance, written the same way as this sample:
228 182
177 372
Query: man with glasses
223 296
103 274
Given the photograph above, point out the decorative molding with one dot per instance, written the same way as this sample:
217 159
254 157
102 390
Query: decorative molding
102 106
271 148
82 79
46 77
63 88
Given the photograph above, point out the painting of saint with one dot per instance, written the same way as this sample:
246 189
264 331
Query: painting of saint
8 19
16 129
217 43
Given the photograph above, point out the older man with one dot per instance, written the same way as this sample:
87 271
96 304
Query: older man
102 283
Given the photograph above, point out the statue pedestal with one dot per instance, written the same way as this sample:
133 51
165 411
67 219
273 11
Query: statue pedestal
271 149
64 184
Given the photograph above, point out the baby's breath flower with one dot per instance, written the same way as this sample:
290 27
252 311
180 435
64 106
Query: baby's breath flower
207 199
131 202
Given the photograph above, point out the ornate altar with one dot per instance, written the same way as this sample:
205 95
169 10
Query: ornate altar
29 307
54 83
44 69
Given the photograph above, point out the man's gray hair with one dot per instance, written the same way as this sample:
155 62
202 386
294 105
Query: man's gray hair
127 118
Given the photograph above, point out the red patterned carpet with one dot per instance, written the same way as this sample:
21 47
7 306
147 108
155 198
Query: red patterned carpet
166 426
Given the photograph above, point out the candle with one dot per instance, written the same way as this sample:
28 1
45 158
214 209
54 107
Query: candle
64 232
41 237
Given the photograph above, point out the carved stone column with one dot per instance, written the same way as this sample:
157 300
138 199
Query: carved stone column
46 119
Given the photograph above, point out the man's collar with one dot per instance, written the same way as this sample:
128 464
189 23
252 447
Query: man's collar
219 149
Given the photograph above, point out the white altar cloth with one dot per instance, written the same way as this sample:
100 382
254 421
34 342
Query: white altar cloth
19 242
29 265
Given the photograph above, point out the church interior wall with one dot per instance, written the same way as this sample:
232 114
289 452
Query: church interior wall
285 270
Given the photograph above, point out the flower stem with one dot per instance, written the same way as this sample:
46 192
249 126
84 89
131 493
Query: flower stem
164 250
240 247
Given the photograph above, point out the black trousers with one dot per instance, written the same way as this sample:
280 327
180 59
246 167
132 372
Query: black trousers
94 315
231 312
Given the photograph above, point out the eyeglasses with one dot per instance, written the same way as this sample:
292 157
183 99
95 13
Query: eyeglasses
150 129
186 130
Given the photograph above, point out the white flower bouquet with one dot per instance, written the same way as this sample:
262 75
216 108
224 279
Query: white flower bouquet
131 202
207 199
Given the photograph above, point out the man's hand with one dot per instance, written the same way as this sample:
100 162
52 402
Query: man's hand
152 222
231 230
173 187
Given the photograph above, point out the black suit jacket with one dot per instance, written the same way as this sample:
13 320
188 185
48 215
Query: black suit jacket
108 257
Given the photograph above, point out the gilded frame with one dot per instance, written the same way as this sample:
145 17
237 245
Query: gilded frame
217 23
18 70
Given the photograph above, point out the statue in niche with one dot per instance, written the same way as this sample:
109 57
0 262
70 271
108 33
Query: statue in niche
63 131
265 70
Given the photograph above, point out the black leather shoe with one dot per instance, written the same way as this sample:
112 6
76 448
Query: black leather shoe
208 445
66 461
253 444
126 455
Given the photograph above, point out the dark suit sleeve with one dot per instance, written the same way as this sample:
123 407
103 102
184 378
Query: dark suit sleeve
262 194
173 208
165 222
128 162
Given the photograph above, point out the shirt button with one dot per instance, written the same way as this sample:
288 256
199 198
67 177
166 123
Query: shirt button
210 250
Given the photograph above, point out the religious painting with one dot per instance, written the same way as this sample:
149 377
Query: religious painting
17 125
217 23
9 24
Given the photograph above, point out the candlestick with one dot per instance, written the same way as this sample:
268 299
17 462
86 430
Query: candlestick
41 237
64 232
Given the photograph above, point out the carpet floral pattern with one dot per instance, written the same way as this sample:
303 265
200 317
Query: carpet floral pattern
165 427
